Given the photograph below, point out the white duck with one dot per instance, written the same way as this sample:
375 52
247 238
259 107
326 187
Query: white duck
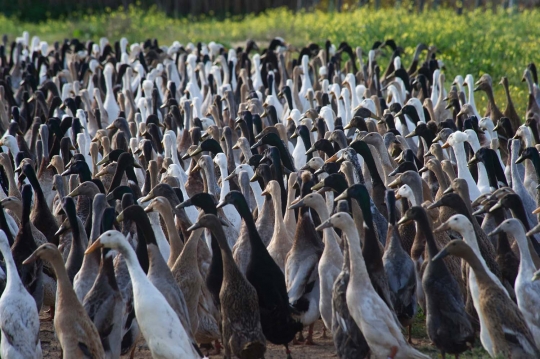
456 140
527 291
110 102
159 324
19 318
373 317
232 214
463 226
483 180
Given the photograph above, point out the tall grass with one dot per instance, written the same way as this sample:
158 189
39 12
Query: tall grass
500 44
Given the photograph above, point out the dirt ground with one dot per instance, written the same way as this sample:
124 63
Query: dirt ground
324 348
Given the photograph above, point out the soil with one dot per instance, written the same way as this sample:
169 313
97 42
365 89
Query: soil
323 348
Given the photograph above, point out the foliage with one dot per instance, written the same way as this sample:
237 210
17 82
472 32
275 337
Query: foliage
476 42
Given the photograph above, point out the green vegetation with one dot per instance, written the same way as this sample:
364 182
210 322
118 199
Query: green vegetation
500 44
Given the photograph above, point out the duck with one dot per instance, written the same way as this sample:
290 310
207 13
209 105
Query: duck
456 140
23 246
507 328
159 273
303 284
103 302
157 320
461 224
363 307
17 307
399 268
242 331
438 297
279 327
331 258
281 242
76 333
526 289
347 336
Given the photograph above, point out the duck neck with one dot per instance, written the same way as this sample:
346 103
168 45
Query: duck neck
441 177
13 279
136 272
357 263
424 228
243 210
526 266
225 186
463 169
174 238
278 214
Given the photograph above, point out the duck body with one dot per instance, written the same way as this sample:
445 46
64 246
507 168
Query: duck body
19 318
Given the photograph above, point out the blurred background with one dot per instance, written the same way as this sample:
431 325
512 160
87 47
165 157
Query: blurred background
39 10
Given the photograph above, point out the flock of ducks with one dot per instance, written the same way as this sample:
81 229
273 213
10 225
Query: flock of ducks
204 198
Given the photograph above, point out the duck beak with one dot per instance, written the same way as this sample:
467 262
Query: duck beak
534 230
399 113
136 165
411 134
186 156
236 146
448 190
472 161
149 209
423 169
496 207
405 220
442 254
110 127
332 159
120 217
229 177
74 193
520 159
495 231
395 183
445 145
297 204
99 174
434 205
196 152
265 193
94 246
311 150
294 135
195 226
103 160
479 211
318 186
536 211
149 196
221 204
33 257
325 224
65 173
441 228
341 197
347 126
254 178
257 144
536 276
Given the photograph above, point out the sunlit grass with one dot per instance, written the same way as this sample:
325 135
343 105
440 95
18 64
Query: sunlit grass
477 42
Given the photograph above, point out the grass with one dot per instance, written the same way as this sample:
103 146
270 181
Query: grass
500 44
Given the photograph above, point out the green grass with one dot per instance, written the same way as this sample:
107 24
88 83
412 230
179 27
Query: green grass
500 44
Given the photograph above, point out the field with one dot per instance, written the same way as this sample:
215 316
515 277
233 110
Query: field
500 44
